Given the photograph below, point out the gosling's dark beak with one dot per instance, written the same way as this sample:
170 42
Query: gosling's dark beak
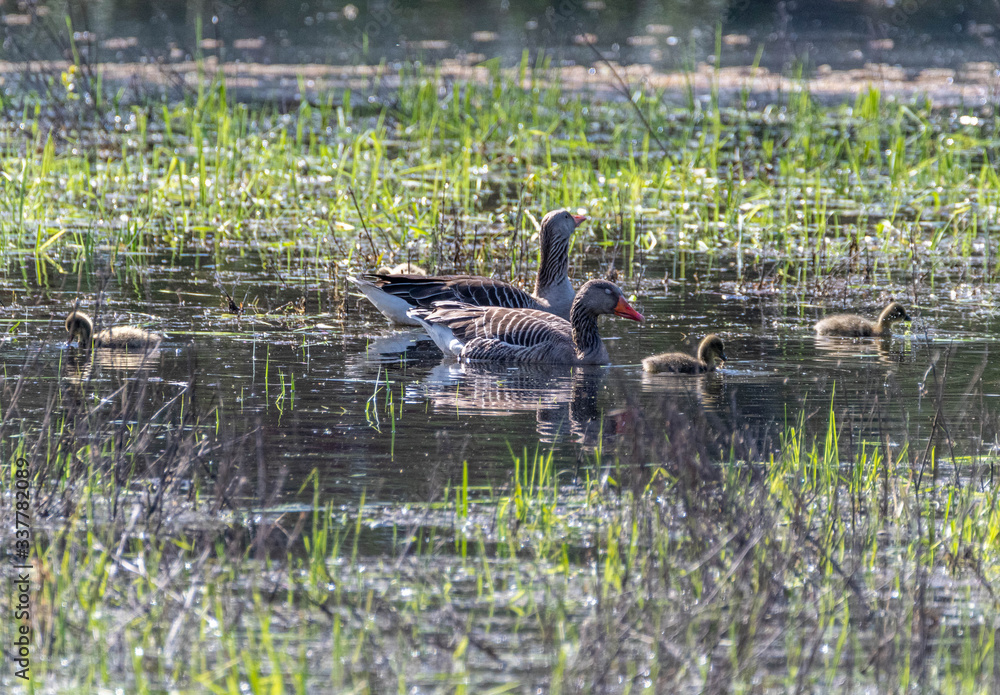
722 356
578 219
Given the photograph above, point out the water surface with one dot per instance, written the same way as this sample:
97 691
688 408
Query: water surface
376 410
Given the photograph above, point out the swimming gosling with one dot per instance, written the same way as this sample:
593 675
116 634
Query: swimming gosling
79 326
710 351
853 326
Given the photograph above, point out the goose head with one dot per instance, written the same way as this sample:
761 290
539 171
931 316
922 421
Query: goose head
603 297
559 225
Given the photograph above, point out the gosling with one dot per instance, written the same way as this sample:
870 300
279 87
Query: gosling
710 352
79 326
852 326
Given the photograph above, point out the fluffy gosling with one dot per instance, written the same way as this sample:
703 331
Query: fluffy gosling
79 326
710 351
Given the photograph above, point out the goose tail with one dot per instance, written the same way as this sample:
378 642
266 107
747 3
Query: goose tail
393 308
440 333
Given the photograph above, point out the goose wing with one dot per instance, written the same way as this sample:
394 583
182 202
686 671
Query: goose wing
424 291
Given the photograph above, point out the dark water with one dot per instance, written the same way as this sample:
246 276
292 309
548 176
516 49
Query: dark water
374 409
667 35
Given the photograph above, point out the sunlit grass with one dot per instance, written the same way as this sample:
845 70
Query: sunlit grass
875 182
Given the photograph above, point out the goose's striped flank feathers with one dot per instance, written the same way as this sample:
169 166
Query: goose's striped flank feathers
500 334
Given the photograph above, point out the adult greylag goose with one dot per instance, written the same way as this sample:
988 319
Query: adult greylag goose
853 326
395 294
710 351
79 326
497 334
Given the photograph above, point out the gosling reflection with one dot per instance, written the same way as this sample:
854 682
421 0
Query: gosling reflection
564 398
884 349
705 388
82 366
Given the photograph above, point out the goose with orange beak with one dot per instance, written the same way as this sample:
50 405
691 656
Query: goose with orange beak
494 334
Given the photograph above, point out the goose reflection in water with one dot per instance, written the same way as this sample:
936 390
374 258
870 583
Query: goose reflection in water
410 344
563 398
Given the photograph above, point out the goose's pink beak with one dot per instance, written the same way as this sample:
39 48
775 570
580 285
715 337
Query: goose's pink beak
625 310
579 219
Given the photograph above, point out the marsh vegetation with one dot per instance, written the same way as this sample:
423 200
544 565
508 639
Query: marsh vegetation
291 496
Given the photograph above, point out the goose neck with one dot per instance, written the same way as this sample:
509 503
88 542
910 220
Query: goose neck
585 335
554 265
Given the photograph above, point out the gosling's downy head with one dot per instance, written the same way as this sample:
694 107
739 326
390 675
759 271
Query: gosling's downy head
893 312
710 349
79 326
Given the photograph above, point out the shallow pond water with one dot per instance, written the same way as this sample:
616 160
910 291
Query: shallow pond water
313 31
376 411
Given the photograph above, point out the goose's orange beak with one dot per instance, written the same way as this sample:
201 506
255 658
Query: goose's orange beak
625 310
579 219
